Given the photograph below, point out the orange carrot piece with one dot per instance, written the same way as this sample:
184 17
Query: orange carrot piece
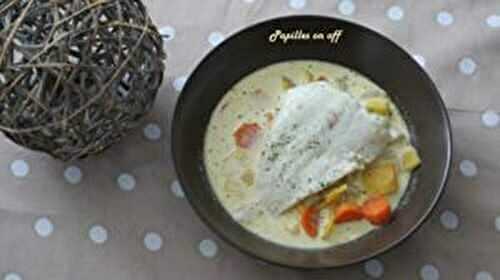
309 221
377 210
347 212
246 135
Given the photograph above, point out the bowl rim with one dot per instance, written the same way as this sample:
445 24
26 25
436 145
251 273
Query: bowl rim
447 136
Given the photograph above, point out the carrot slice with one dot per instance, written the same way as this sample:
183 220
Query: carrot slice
246 135
347 212
377 210
309 221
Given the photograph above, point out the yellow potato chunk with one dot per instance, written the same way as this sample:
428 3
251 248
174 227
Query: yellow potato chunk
410 158
378 105
330 226
381 179
333 195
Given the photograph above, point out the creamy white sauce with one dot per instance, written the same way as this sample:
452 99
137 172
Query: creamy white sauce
231 169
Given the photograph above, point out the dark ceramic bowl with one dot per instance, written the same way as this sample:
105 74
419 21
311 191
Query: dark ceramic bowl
358 48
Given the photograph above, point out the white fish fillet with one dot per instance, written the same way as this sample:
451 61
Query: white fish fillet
320 135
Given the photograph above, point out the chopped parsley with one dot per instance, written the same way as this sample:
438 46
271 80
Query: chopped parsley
273 157
342 82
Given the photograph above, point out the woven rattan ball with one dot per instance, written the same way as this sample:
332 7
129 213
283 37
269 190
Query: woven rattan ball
76 75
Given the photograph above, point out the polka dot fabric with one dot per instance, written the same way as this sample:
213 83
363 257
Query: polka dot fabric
98 234
43 227
167 33
73 175
19 168
374 268
123 215
153 241
429 272
126 182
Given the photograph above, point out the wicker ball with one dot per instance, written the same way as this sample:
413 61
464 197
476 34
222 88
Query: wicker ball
76 75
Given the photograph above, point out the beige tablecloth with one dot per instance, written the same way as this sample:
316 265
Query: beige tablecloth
123 216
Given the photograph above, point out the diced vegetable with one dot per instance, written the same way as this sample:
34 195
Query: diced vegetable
287 83
377 210
410 158
309 221
347 212
381 179
248 177
246 135
330 225
333 195
378 105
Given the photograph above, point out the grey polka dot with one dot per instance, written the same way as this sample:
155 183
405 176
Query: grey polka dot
467 66
73 175
374 268
493 21
297 4
346 7
468 168
167 33
153 241
215 38
176 189
12 276
98 234
429 272
484 275
19 168
208 248
43 227
444 18
449 220
490 118
395 13
179 83
126 182
152 131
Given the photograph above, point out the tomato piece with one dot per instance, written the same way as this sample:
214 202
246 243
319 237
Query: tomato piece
246 135
377 210
309 221
347 212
